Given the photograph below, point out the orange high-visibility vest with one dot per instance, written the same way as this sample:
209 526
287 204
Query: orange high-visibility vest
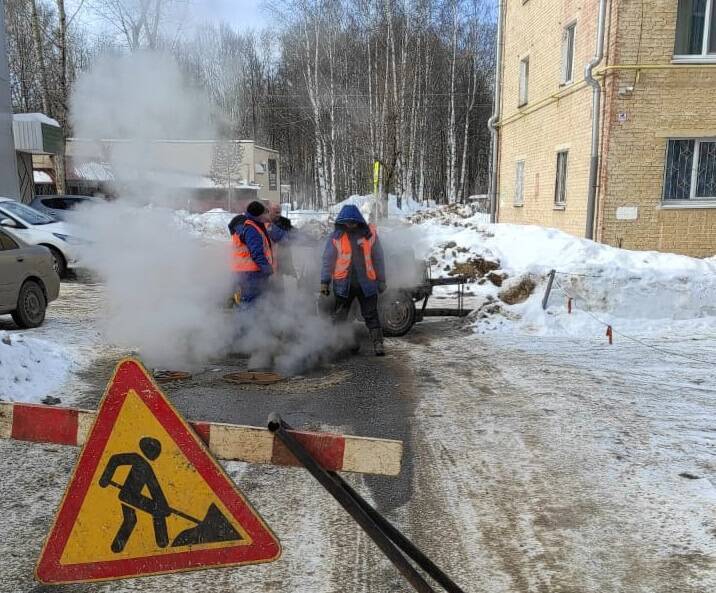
242 261
345 254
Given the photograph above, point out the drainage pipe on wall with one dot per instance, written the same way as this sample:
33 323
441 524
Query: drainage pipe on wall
596 115
492 122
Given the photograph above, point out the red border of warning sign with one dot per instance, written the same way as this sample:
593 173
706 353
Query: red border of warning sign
130 374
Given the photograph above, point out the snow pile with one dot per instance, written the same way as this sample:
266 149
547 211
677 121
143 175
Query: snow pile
31 368
301 218
212 224
408 206
638 292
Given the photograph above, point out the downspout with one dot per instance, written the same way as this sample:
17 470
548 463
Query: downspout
492 122
596 116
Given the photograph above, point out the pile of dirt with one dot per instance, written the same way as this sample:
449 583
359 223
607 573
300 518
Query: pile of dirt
518 292
497 278
474 268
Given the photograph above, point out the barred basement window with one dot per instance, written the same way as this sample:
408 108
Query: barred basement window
560 185
519 183
690 170
696 30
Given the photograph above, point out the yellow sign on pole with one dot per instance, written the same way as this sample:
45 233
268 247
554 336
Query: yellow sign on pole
146 497
376 177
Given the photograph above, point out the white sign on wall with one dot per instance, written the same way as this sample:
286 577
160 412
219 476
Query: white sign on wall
627 212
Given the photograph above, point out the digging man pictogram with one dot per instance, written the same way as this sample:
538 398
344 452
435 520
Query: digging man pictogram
141 475
213 528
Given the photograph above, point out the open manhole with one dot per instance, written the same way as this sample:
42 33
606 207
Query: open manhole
253 377
166 376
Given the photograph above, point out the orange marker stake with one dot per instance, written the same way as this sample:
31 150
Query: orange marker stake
610 334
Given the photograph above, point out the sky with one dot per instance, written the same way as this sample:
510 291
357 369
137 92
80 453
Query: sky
239 13
242 14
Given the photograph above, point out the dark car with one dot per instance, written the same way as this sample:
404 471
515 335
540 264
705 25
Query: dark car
28 281
61 205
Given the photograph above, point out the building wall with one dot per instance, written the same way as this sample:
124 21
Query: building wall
555 118
261 174
195 161
671 102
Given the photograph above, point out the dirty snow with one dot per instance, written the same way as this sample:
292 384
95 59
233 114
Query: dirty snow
31 367
67 344
637 292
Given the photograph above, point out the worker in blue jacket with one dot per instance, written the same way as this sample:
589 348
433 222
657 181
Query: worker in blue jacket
353 261
253 259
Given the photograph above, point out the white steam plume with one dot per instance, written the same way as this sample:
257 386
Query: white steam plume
165 288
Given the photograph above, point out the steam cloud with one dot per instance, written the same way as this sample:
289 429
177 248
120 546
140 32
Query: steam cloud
164 287
167 289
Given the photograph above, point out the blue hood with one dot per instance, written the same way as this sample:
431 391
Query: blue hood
350 213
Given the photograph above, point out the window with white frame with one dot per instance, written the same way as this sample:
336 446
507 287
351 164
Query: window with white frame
696 30
568 37
519 183
690 170
524 81
560 184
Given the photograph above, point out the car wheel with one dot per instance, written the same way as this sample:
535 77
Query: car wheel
397 312
59 263
31 306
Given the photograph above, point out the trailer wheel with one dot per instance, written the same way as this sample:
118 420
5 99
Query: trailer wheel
397 313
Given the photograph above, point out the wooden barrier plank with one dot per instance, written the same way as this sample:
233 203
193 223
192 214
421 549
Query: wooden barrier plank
250 444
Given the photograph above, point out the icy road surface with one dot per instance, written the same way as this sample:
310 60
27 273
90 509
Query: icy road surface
535 465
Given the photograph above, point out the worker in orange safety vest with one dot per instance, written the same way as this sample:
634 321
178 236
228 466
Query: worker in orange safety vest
252 257
353 261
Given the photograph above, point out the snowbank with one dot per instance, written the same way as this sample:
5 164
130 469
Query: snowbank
31 368
211 225
408 206
638 292
300 218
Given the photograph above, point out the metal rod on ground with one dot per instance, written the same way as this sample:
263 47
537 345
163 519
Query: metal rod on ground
278 427
402 542
549 289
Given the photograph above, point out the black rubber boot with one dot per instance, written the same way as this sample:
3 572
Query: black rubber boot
376 336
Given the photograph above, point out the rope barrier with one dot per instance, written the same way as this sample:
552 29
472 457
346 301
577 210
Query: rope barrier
611 330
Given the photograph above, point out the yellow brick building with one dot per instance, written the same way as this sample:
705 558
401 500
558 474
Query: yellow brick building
656 170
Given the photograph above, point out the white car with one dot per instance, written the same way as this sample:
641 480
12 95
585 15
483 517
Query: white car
35 228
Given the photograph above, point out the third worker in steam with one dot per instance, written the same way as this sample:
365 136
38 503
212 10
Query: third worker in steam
353 261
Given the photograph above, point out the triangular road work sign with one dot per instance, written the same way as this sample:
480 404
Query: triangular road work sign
147 497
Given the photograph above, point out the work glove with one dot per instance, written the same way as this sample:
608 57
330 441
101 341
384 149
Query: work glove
381 287
325 290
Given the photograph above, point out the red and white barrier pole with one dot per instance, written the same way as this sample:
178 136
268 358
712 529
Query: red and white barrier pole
251 444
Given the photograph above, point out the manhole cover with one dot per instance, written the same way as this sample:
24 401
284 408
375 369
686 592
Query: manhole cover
164 376
255 377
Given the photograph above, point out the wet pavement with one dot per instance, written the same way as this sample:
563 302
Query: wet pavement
359 394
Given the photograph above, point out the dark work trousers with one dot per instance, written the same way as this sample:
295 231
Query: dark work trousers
368 307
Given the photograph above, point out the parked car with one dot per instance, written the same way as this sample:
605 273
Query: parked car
37 228
28 280
61 206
